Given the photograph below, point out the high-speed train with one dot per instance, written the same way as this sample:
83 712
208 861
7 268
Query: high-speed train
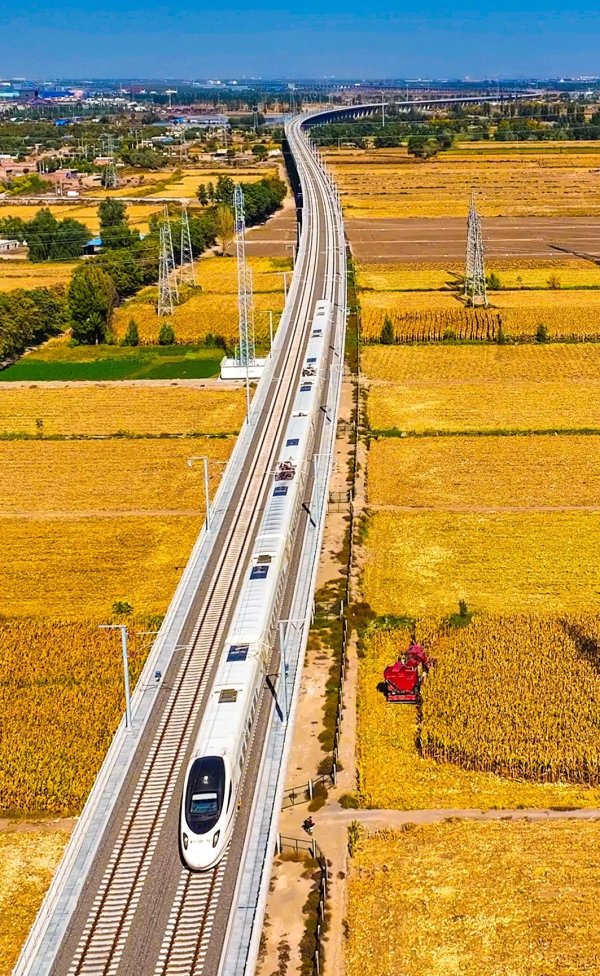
214 774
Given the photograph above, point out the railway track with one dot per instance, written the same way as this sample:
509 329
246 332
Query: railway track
140 912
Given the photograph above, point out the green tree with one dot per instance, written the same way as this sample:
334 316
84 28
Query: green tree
387 337
166 335
223 192
27 184
91 299
114 227
50 239
132 336
202 194
260 151
493 282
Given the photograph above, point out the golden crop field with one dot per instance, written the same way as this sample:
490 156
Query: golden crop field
108 410
476 899
87 213
205 313
434 365
25 274
214 309
107 476
72 568
417 563
187 185
480 407
77 697
483 388
513 274
28 859
424 315
391 771
516 696
389 183
484 473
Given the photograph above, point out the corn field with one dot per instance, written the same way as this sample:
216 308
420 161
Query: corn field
518 697
61 699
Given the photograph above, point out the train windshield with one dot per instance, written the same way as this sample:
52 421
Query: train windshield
204 793
204 804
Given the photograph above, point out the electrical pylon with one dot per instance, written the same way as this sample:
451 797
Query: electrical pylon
168 293
475 290
186 268
244 277
110 172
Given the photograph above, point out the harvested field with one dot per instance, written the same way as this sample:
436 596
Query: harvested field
389 183
27 863
425 563
390 240
483 899
108 476
275 237
109 410
73 569
392 774
484 473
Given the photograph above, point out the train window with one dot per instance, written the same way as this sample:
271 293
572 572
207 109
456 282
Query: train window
280 490
317 333
238 652
228 696
311 359
292 442
306 388
259 572
263 559
204 804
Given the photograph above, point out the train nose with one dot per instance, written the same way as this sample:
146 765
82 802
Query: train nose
202 853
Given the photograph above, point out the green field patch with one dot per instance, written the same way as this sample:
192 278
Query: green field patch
62 362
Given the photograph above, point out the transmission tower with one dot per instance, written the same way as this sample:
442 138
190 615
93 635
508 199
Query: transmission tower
186 267
110 170
475 292
244 276
168 293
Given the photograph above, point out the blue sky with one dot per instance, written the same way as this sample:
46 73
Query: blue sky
379 39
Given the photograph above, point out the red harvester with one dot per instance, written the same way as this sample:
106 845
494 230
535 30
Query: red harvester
403 677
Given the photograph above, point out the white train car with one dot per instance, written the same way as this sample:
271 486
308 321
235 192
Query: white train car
210 796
